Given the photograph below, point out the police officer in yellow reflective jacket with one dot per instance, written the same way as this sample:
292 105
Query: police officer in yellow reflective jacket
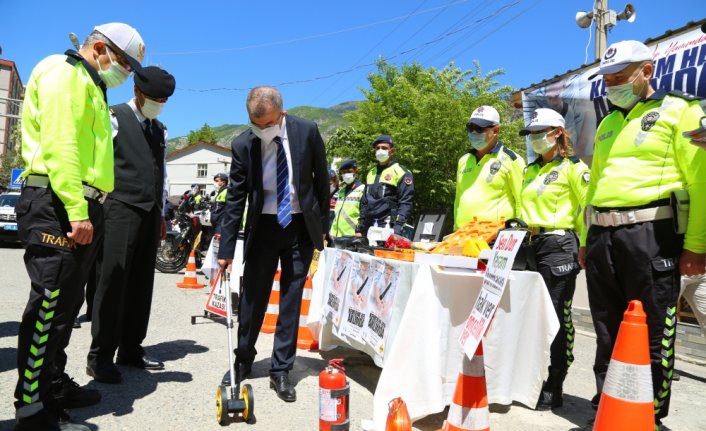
68 154
553 196
634 246
489 176
347 207
389 190
219 202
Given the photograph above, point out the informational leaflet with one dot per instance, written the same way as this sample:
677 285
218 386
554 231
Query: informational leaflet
336 286
380 302
497 273
355 310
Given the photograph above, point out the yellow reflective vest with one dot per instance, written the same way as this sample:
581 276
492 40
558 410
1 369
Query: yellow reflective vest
66 132
347 210
641 157
554 194
489 188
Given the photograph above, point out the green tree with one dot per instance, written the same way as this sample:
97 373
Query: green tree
425 111
13 156
204 134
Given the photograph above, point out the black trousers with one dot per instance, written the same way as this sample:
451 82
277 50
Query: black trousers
293 248
57 269
123 298
557 262
637 261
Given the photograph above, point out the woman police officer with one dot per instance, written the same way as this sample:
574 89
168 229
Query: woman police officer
553 196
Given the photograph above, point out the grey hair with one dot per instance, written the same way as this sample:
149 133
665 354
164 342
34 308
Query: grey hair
261 99
97 36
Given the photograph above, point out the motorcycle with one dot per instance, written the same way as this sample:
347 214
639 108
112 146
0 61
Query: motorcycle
173 251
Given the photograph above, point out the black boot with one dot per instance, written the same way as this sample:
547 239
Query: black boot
552 391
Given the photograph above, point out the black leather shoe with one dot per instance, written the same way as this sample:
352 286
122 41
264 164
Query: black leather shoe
285 390
77 323
70 395
595 401
245 371
105 372
550 400
65 423
47 421
144 362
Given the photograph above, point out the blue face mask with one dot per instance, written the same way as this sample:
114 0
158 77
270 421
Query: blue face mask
477 140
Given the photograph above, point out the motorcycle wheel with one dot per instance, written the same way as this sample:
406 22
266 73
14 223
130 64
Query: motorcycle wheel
170 258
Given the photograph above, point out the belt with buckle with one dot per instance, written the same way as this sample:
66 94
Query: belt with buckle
614 218
538 230
42 181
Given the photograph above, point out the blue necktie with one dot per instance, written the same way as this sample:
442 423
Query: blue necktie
284 204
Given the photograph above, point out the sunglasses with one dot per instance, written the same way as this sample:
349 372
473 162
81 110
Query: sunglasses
475 128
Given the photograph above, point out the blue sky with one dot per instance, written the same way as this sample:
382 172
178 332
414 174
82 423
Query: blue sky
219 49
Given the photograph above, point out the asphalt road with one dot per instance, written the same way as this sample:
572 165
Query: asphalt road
182 397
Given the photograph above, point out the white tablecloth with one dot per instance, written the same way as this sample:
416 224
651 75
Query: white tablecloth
422 354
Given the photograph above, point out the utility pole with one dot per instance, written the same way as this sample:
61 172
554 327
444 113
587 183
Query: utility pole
601 8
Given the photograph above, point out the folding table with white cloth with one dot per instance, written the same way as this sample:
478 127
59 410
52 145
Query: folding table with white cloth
428 316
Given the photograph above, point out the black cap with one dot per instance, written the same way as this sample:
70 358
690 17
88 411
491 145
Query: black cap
331 174
348 164
221 176
383 138
156 82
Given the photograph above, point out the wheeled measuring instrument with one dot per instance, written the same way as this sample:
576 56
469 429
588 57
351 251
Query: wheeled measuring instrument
233 398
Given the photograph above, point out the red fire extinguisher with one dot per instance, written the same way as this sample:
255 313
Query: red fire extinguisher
333 397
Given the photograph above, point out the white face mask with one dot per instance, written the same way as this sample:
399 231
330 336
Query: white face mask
348 177
540 144
151 109
623 95
115 75
382 155
268 134
477 140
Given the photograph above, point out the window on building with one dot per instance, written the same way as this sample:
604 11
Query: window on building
202 170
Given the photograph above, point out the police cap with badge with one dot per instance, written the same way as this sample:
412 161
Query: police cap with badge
622 54
483 117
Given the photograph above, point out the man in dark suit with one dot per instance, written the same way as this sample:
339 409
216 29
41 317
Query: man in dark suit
279 168
134 223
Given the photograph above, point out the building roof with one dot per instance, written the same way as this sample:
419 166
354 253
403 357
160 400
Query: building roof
197 146
689 26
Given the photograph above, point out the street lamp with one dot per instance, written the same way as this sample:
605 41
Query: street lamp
605 18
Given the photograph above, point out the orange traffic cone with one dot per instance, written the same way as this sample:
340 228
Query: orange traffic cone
270 323
398 417
305 340
190 280
469 408
627 398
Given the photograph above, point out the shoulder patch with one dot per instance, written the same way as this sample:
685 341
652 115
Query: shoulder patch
649 120
574 159
682 95
586 177
510 153
408 179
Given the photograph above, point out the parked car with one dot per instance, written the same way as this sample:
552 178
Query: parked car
8 219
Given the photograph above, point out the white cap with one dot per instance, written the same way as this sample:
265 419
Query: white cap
620 55
127 39
541 119
484 116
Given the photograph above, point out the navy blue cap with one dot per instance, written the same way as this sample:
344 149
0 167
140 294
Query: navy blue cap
383 138
348 164
331 174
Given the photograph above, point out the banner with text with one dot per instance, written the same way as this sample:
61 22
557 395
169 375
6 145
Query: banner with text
495 279
336 286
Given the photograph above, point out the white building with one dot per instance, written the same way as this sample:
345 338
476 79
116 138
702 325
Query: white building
196 164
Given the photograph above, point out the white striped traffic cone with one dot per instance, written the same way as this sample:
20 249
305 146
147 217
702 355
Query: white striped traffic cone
190 280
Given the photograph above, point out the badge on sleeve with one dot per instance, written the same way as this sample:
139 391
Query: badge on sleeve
586 177
649 120
408 180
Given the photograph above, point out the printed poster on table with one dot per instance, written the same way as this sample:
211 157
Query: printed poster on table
380 302
355 311
336 286
495 279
